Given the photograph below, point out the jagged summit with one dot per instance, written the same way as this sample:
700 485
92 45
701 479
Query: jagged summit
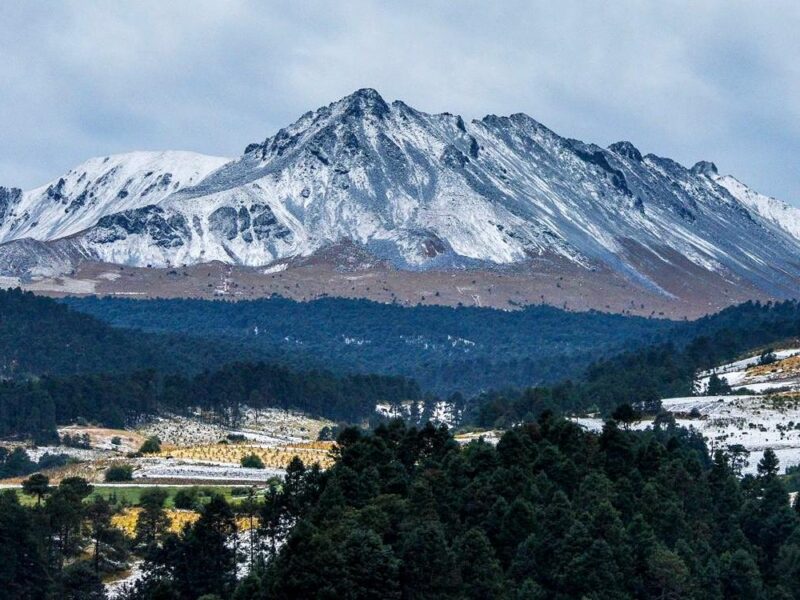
418 191
705 167
627 150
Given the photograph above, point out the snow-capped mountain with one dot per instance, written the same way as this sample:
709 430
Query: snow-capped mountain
98 187
420 191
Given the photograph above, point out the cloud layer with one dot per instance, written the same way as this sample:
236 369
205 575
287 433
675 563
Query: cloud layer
696 80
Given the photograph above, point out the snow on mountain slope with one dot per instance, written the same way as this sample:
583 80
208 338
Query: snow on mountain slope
427 191
779 212
99 187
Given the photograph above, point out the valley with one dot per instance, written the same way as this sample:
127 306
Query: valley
399 301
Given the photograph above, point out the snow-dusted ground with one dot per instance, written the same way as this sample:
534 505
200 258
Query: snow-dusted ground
730 420
285 432
80 453
440 412
490 437
266 426
743 374
764 419
755 422
116 588
161 468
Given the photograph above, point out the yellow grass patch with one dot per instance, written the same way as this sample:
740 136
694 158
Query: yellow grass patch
178 519
787 365
276 457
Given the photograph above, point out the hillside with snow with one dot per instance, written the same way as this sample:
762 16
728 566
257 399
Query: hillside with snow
760 408
101 186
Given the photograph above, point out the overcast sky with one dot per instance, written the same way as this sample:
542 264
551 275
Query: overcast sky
716 80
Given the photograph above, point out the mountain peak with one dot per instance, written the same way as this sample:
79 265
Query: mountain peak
364 101
419 191
627 150
705 167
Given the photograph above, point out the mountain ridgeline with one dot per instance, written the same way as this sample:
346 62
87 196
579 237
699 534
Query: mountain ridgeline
416 192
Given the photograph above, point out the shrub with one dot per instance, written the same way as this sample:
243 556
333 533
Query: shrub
119 473
116 440
326 434
252 461
185 498
152 445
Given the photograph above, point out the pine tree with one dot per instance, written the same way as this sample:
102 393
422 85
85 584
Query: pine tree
481 574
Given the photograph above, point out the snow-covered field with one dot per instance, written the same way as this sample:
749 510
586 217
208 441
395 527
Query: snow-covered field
267 426
196 448
161 468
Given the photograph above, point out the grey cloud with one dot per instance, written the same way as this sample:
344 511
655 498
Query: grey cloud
690 80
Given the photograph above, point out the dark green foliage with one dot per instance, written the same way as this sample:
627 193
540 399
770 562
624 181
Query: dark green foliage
152 523
199 561
114 400
119 473
36 485
637 378
552 512
717 386
16 463
444 349
76 441
23 570
151 445
41 336
43 548
186 498
640 377
252 461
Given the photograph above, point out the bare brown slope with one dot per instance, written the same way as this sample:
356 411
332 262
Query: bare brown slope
687 291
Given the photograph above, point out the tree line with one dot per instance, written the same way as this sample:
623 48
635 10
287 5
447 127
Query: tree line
552 511
33 408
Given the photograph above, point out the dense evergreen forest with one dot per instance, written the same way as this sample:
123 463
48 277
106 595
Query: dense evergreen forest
645 375
38 332
551 512
39 336
444 349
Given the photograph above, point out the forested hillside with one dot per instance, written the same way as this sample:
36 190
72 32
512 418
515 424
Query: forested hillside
117 375
647 374
444 349
40 336
116 400
551 512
